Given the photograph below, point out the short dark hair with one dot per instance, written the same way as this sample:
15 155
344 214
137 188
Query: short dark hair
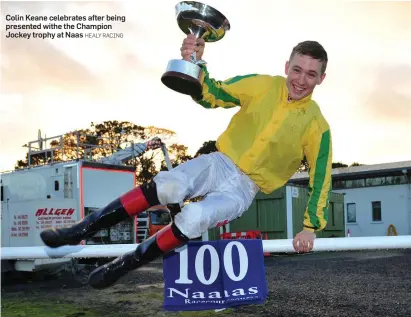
312 49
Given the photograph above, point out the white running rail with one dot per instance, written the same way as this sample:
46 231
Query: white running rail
273 246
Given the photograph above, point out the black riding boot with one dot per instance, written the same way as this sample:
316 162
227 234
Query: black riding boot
86 228
162 242
131 203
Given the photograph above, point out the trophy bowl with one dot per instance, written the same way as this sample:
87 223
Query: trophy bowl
204 22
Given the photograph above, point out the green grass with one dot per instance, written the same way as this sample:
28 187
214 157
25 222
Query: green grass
20 308
151 295
15 307
159 296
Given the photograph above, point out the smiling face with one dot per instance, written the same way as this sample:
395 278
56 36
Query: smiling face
303 74
305 69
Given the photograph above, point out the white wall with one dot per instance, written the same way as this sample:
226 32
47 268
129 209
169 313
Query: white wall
394 209
103 186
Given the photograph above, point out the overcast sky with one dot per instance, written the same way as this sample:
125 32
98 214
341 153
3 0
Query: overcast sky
63 84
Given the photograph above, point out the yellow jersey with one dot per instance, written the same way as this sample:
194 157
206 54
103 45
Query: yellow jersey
270 134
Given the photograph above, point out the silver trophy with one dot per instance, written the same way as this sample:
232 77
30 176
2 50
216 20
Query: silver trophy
204 22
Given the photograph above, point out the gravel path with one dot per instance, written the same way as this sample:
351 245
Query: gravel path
369 283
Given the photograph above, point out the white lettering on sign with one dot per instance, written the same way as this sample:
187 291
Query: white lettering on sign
228 262
211 295
215 263
199 265
183 279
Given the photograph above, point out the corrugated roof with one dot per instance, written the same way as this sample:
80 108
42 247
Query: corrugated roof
361 169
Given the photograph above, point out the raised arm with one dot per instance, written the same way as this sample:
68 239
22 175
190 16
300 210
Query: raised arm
229 93
232 92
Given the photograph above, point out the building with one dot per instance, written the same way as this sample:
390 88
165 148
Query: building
280 215
377 198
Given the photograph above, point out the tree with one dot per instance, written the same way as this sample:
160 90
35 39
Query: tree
116 135
145 170
167 136
177 154
304 165
102 140
206 148
338 165
356 164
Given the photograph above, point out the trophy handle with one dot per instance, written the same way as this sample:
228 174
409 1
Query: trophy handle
199 29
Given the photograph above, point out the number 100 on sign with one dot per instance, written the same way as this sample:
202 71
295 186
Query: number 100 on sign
214 274
213 265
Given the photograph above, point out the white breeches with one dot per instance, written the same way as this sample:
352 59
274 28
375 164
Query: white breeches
227 192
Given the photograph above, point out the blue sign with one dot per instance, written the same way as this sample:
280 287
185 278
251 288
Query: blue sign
214 275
